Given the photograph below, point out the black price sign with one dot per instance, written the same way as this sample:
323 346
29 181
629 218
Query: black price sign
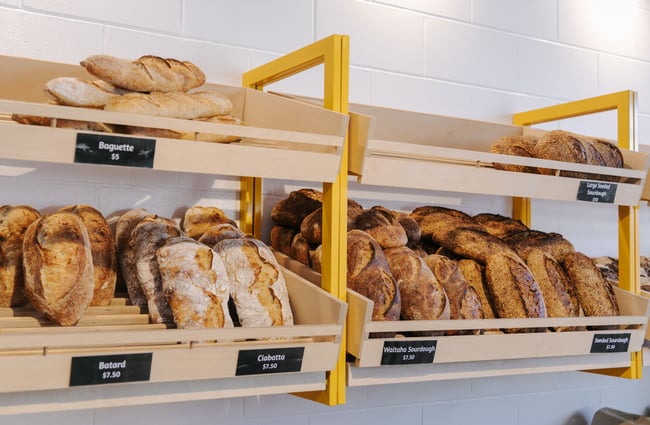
94 370
597 192
408 352
114 150
610 343
273 360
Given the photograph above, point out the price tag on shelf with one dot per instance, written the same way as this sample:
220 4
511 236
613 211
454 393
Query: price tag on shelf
601 192
408 352
114 150
93 370
610 343
271 360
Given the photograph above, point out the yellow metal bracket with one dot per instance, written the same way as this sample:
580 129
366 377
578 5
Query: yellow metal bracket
625 103
333 53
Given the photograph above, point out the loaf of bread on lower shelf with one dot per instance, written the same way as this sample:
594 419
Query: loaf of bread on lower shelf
58 265
215 234
474 275
381 224
14 221
198 219
195 284
125 255
293 209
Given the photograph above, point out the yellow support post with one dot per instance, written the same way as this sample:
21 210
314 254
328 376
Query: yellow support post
625 103
333 53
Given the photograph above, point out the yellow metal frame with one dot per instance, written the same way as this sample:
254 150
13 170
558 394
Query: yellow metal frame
625 103
333 53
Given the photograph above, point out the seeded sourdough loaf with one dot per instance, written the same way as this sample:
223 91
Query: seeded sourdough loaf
474 275
595 295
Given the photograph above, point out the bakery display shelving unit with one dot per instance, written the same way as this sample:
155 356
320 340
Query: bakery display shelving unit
42 364
455 156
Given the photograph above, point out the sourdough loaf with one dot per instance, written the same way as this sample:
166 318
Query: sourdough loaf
474 275
368 274
146 74
126 255
58 266
14 221
215 234
595 295
195 284
381 224
104 255
198 219
293 209
553 243
516 145
258 288
300 250
499 225
281 238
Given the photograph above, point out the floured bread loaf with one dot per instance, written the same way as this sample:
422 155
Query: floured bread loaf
103 251
147 236
258 288
293 209
381 224
198 219
72 91
215 234
14 221
174 104
368 273
421 295
146 74
195 284
595 295
58 263
126 255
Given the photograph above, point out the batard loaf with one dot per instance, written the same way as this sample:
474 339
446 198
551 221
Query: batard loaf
258 288
102 246
175 104
126 255
474 275
58 264
198 219
14 221
195 284
146 74
595 295
368 273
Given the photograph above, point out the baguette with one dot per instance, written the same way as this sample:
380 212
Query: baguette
147 74
174 104
72 91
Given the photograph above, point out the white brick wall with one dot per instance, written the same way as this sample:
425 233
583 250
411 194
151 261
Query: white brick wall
482 59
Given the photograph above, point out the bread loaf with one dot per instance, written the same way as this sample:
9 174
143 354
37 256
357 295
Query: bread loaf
62 123
258 288
293 209
421 294
300 250
173 104
516 145
281 238
214 137
595 295
316 258
311 227
475 277
368 274
146 74
195 284
126 255
559 145
14 221
499 225
72 91
215 234
147 236
58 266
464 302
381 224
198 219
513 290
553 243
103 251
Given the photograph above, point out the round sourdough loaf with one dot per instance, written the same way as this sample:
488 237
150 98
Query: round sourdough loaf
595 295
215 234
198 219
14 221
58 263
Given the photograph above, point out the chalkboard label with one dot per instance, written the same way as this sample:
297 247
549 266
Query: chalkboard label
610 343
408 352
93 370
114 150
602 192
272 360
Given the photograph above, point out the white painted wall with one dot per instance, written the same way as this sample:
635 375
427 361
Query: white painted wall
483 59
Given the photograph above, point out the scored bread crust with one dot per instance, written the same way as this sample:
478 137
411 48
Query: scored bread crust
559 293
215 234
195 284
594 293
258 288
14 221
103 252
173 104
474 275
59 280
126 255
145 74
198 219
382 224
293 209
464 301
71 91
518 146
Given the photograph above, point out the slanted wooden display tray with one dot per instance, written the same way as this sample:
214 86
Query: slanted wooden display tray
35 357
491 353
281 138
425 151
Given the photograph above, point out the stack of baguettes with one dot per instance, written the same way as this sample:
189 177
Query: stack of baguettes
439 263
149 85
560 145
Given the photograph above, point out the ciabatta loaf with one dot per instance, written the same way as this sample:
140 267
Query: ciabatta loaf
14 221
258 287
102 246
59 279
146 74
195 284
